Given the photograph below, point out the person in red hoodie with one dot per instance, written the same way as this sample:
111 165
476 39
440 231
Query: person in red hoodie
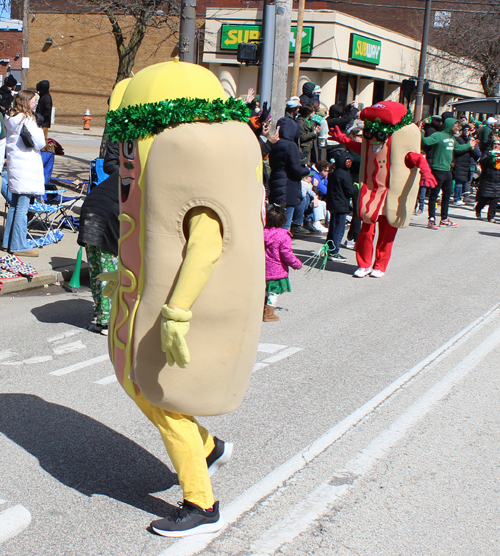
279 256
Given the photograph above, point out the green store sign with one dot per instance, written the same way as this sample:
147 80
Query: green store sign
365 49
232 35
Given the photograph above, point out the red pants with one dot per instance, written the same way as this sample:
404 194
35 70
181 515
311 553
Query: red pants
364 245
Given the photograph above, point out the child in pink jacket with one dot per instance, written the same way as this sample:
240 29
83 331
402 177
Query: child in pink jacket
279 256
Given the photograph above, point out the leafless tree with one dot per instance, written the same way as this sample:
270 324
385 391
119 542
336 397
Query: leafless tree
129 20
473 39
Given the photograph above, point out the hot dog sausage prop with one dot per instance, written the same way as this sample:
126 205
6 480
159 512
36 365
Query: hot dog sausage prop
391 170
187 307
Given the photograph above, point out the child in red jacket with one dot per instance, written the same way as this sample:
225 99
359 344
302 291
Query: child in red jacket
279 256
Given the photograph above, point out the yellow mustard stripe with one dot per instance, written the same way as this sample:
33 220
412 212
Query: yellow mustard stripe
129 274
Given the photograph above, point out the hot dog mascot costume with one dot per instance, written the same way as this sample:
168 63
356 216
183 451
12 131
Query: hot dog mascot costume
187 298
390 178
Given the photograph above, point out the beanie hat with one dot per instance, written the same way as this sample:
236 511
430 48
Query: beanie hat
10 81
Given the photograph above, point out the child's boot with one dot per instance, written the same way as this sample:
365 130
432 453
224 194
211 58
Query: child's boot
271 302
269 315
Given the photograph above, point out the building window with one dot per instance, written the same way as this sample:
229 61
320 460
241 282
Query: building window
346 88
378 91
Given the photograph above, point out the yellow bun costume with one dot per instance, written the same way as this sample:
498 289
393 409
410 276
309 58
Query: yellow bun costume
192 189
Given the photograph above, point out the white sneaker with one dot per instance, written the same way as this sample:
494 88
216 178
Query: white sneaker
350 244
459 203
361 272
375 273
318 226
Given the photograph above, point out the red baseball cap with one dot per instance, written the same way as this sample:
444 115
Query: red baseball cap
387 111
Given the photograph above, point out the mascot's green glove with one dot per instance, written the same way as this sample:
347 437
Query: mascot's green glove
174 327
112 279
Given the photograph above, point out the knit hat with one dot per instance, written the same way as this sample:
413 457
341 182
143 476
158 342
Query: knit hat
10 81
293 102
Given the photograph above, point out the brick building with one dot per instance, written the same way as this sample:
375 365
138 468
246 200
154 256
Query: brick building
76 51
11 40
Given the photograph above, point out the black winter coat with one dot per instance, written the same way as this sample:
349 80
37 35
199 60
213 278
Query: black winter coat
286 171
99 225
338 116
44 107
6 98
339 191
462 161
489 181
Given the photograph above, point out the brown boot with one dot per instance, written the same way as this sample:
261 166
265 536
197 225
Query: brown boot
30 253
269 315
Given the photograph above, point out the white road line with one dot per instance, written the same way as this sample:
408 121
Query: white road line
7 354
2 501
63 349
40 359
259 366
267 485
270 348
281 355
107 380
302 515
64 335
13 521
81 365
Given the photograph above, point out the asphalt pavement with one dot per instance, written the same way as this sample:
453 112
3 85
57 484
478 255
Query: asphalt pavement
370 426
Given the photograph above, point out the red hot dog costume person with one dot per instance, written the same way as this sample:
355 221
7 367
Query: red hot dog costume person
390 178
191 258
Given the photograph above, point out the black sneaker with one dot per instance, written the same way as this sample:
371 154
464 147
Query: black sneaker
337 257
219 456
309 226
189 519
298 230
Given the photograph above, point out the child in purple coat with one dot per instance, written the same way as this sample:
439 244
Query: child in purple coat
279 256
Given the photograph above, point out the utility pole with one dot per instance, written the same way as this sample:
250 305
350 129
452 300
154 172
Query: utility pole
298 48
281 58
25 46
421 68
187 31
266 69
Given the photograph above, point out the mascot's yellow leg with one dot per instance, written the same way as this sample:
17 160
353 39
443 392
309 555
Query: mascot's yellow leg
188 444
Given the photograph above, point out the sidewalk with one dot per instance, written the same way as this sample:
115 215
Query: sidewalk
94 131
56 263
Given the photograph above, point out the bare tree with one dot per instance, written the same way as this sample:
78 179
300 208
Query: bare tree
130 20
473 39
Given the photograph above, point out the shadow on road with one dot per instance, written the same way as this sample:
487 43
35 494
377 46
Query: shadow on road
75 312
492 234
84 454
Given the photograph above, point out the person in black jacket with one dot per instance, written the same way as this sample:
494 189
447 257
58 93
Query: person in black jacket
338 116
308 96
6 96
339 192
44 107
98 233
462 164
286 173
488 192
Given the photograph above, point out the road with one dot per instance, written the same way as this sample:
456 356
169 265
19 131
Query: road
370 426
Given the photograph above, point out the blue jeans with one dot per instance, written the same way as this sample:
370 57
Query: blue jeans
336 231
295 215
16 226
421 197
458 192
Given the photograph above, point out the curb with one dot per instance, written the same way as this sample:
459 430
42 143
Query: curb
45 277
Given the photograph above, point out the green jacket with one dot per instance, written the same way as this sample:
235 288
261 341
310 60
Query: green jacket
443 144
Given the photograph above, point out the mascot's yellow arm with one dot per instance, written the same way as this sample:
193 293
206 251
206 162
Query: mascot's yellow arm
204 247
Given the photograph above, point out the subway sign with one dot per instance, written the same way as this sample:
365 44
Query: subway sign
232 35
364 49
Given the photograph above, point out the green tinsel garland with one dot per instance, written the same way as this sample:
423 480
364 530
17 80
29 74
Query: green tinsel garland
377 125
144 120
